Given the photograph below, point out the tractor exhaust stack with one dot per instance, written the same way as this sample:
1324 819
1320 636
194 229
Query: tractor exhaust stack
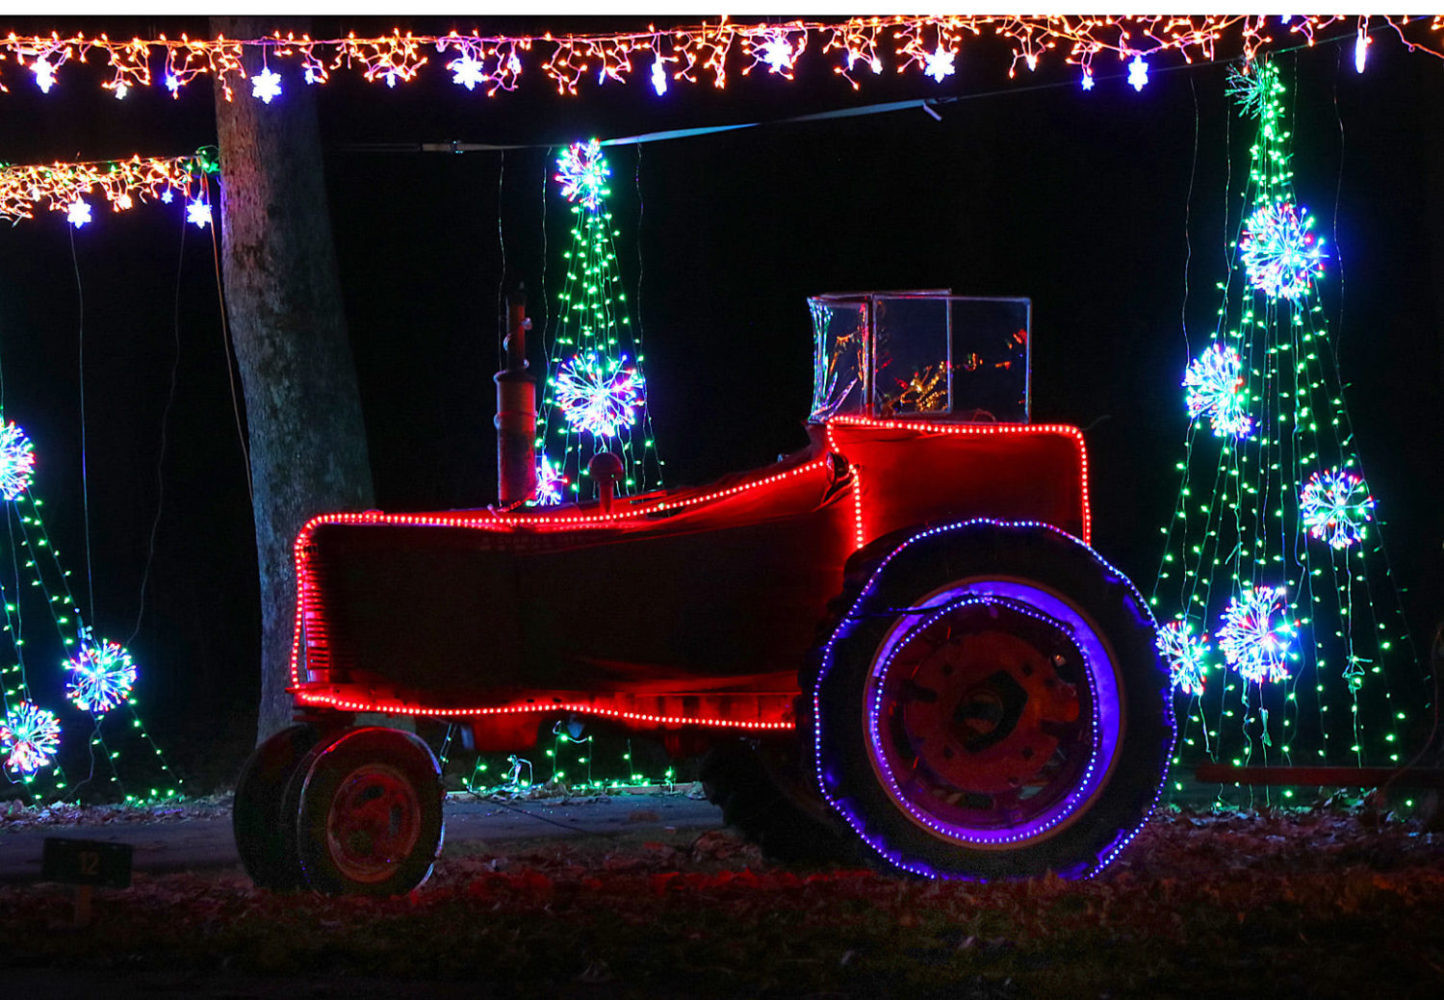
515 409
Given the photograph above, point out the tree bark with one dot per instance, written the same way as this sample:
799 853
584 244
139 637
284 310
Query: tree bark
307 439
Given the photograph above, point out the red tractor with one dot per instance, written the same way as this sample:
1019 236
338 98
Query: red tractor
897 639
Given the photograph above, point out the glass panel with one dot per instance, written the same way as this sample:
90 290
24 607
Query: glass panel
925 354
839 330
911 347
990 359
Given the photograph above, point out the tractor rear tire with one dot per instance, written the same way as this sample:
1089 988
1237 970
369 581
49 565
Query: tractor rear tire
991 705
265 837
744 782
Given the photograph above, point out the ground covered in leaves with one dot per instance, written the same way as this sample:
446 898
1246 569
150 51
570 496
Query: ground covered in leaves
1320 903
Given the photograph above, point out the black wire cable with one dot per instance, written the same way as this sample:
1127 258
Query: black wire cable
164 426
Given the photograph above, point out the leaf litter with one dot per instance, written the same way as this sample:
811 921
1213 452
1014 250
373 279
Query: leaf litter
1322 902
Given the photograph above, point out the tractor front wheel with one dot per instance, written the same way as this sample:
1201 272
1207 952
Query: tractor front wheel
368 813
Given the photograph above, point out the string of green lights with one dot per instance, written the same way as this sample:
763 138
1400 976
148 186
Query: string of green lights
1274 543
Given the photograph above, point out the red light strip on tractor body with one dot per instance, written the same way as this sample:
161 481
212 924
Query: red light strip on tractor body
969 430
310 621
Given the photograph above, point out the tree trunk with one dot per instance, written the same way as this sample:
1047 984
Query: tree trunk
306 436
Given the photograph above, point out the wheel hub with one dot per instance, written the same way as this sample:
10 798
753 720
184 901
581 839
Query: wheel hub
373 823
981 714
998 709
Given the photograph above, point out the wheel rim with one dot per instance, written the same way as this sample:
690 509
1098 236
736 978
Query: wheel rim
993 718
373 824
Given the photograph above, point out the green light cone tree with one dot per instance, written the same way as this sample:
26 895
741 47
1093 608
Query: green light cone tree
595 396
1281 621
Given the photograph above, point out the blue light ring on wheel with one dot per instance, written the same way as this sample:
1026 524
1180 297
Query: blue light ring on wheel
855 615
1105 729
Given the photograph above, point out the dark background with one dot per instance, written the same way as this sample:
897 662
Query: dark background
1112 210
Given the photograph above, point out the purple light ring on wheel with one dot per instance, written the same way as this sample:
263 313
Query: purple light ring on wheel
1105 729
844 808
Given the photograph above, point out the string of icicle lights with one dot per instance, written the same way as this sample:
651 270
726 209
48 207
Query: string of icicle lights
77 189
856 49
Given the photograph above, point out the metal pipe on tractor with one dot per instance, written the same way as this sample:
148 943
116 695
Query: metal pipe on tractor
515 410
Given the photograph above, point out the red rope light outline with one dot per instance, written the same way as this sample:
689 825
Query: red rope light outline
497 521
574 708
976 430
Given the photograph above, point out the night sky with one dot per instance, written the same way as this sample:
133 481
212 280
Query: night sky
1107 209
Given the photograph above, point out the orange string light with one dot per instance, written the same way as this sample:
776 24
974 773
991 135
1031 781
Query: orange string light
854 47
59 186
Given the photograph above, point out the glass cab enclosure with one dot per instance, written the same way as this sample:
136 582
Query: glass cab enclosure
898 355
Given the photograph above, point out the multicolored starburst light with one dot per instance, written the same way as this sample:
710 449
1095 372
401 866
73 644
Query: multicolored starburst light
17 461
1184 655
549 483
583 173
1256 636
599 397
29 737
1215 389
1335 506
102 674
1280 255
1252 87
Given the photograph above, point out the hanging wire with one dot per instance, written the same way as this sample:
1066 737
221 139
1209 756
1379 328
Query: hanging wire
84 472
164 426
1338 337
1188 222
501 326
230 368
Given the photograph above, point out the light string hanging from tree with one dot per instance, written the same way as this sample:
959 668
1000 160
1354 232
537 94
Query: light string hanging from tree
68 187
595 397
1270 543
856 48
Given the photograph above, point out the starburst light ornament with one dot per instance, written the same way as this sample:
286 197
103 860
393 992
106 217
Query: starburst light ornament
1214 383
102 674
1256 637
599 398
1335 506
1184 652
17 461
199 212
1280 254
1252 89
583 173
29 737
549 483
78 213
